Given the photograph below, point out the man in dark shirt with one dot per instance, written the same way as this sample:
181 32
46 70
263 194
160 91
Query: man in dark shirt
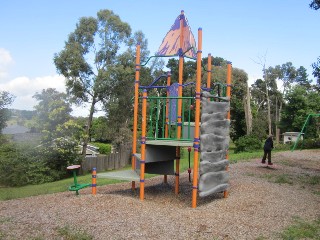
268 146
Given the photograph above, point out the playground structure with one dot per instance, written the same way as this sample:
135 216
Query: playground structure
303 130
170 124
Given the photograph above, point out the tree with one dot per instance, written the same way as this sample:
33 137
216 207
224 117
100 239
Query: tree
61 134
5 100
316 72
302 78
315 4
121 84
268 82
300 103
52 110
90 51
238 96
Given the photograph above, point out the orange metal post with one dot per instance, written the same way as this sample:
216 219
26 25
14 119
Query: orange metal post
228 93
143 143
209 71
135 112
197 123
94 181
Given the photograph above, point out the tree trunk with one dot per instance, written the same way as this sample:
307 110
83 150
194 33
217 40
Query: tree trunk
88 127
268 103
247 111
278 119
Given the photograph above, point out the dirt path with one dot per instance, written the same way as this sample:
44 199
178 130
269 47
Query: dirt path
262 202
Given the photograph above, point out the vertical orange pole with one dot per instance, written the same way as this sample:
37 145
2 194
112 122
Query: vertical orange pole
179 123
228 94
167 105
135 112
197 123
143 143
209 71
94 181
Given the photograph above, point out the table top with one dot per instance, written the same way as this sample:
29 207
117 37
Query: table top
73 167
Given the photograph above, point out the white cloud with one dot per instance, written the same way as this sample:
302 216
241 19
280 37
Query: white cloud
24 88
5 61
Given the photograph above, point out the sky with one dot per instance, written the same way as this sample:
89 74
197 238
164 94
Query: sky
243 32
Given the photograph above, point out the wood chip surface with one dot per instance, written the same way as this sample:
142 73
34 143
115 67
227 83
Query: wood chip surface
259 205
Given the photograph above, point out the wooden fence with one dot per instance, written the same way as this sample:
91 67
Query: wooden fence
112 161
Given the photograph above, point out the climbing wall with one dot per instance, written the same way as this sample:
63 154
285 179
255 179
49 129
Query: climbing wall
214 143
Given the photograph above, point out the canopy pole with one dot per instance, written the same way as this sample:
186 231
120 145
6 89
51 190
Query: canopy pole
135 112
228 95
196 143
143 143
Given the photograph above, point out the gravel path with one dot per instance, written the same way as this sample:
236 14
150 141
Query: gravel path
261 203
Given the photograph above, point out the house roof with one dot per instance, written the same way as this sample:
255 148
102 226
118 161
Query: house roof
291 133
15 129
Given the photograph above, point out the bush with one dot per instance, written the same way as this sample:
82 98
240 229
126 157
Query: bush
25 164
281 146
104 148
310 143
248 143
19 166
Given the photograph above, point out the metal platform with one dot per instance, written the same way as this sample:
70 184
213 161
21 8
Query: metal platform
177 143
128 175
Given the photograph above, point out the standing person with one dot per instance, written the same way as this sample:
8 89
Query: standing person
268 146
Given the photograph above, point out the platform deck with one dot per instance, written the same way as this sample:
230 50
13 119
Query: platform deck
177 143
128 175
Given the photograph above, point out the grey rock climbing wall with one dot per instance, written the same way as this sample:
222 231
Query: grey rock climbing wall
214 143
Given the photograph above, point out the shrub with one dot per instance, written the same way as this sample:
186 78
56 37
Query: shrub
19 166
104 148
310 143
248 143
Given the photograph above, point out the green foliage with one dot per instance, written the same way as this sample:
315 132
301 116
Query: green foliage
5 100
316 68
248 143
53 108
283 179
104 148
238 93
73 234
19 165
300 103
99 130
23 164
315 4
302 229
260 125
59 154
310 143
282 147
